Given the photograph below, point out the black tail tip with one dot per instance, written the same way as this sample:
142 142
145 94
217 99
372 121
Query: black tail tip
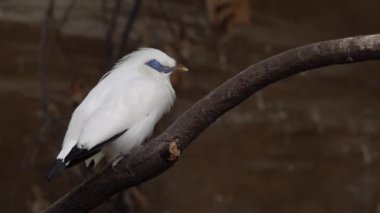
56 169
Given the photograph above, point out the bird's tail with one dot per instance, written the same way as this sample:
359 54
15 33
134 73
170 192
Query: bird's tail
56 169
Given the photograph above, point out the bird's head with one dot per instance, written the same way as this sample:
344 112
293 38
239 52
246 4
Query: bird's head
157 62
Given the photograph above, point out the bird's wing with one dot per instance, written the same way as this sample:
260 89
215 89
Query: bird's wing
110 113
75 156
121 110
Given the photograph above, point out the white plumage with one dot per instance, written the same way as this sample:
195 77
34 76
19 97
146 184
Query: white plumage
121 111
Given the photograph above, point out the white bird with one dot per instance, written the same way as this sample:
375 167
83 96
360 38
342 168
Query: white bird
121 111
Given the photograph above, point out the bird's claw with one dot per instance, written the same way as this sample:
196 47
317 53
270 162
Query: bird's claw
116 161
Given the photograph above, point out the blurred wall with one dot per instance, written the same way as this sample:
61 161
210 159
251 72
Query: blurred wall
306 144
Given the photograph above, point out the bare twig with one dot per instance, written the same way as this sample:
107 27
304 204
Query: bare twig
166 18
113 55
151 159
66 14
41 74
59 25
171 26
42 61
109 34
128 28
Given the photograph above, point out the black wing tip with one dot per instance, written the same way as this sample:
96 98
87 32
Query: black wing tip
56 169
74 153
77 155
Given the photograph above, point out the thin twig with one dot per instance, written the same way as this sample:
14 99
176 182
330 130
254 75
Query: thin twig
42 82
167 19
128 28
42 59
171 26
110 31
66 14
57 28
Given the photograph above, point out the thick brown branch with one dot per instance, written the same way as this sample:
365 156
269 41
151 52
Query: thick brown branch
151 159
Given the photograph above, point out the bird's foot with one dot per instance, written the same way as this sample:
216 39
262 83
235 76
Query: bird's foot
117 160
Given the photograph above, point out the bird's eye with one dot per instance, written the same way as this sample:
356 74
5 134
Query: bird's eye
158 66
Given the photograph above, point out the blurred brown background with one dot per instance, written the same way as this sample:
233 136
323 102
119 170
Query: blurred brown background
308 144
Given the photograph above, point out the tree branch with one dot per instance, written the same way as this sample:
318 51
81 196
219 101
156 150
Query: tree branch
151 159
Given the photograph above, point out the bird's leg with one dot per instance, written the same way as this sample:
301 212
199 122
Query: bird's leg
117 160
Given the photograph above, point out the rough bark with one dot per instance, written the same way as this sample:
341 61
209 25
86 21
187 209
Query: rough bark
160 154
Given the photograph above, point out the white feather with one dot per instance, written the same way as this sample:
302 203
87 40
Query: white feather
132 96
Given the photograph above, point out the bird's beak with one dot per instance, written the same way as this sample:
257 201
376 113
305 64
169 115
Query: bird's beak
181 68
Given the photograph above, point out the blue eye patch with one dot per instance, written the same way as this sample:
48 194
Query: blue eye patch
158 66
